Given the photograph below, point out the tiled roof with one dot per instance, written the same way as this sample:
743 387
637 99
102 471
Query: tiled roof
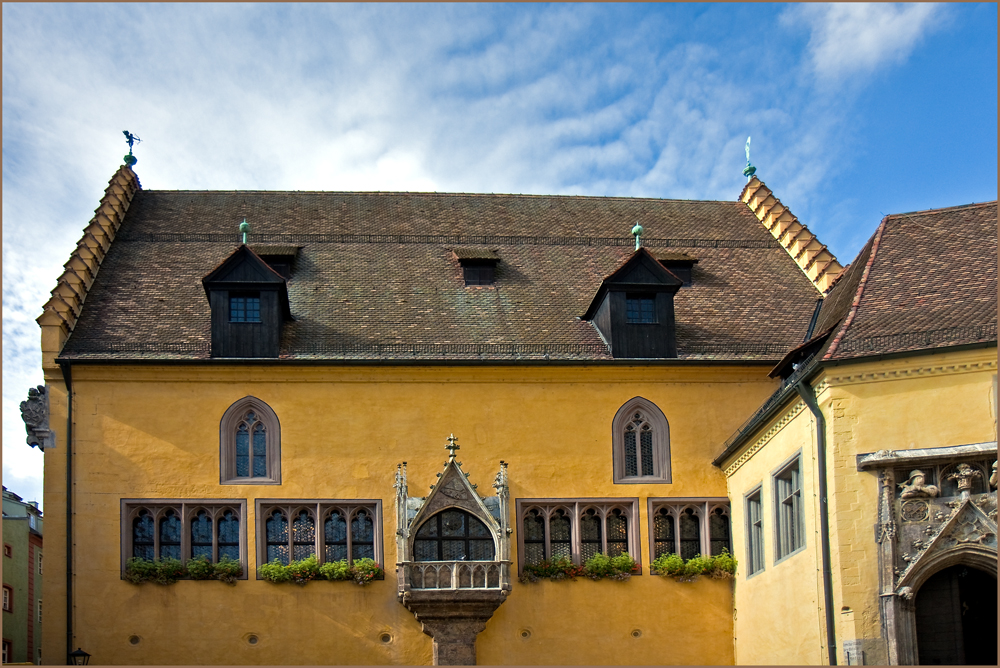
377 275
925 280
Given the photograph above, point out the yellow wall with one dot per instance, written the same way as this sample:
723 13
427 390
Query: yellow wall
924 401
153 432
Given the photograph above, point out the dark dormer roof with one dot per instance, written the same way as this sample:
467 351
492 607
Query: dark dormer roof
245 270
475 254
641 271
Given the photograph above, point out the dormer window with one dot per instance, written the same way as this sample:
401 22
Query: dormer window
640 309
244 307
677 263
478 265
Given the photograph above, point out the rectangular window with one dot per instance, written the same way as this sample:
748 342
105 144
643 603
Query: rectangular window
788 520
478 274
8 651
688 527
577 529
8 598
640 309
183 529
39 563
244 307
39 611
755 532
331 529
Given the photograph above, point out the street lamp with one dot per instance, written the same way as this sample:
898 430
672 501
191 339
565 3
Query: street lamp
78 658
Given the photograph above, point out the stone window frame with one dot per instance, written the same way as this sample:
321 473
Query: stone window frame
575 508
230 421
319 509
661 442
789 518
703 508
186 509
8 598
755 536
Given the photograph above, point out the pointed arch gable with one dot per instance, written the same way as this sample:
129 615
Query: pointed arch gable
251 420
640 437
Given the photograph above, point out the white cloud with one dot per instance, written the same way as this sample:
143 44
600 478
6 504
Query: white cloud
858 38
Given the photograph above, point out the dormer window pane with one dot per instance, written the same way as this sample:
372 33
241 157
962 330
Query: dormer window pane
640 309
478 274
244 307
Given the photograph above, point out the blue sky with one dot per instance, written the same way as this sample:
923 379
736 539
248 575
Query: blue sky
855 111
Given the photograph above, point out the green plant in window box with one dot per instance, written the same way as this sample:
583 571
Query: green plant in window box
138 570
336 570
616 568
201 568
365 570
362 572
721 566
228 570
559 568
275 571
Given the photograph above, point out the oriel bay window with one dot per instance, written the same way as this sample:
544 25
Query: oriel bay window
183 529
576 528
333 530
453 535
689 527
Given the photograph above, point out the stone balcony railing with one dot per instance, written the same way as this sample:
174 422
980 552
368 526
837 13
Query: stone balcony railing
453 575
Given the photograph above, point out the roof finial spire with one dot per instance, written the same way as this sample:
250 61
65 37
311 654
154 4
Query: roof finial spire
637 233
452 447
245 230
749 169
131 139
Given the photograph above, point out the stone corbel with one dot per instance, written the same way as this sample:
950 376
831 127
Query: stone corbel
35 413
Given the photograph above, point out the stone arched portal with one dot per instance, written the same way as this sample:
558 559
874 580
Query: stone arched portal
956 618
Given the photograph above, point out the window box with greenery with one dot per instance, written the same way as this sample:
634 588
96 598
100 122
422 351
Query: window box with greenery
361 571
169 570
719 567
598 567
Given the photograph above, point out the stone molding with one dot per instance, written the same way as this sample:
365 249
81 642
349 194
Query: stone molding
789 415
911 372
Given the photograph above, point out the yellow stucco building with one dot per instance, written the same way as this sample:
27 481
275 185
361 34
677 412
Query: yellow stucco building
263 393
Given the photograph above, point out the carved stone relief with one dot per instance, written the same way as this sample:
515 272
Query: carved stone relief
35 413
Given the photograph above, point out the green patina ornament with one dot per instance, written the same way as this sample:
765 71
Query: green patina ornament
244 230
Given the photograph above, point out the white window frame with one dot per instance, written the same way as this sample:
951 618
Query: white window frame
8 598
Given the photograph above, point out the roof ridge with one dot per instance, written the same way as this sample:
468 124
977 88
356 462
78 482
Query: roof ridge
443 194
842 331
928 212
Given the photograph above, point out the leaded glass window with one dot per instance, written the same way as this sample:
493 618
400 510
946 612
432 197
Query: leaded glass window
590 535
277 537
664 534
335 537
534 537
690 532
559 535
201 536
251 447
170 536
229 536
453 535
303 536
718 531
576 530
362 536
617 543
142 536
641 443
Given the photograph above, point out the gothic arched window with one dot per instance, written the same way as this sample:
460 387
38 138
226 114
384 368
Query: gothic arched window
453 535
250 444
641 443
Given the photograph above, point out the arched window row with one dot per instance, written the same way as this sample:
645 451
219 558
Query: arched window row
640 437
289 530
183 529
689 527
576 528
249 444
454 535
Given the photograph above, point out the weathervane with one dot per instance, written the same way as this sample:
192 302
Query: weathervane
637 233
131 139
749 170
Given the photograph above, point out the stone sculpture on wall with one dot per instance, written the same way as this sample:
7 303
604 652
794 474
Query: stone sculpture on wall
915 487
35 413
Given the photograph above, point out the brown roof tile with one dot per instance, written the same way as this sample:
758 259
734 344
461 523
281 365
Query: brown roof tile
376 277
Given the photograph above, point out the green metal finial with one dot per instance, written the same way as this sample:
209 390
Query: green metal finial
637 233
749 170
131 139
245 230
